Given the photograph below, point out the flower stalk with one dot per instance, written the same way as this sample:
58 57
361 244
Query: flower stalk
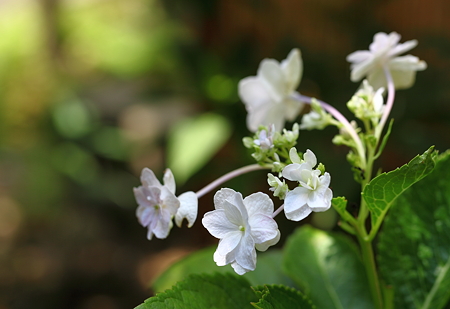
229 176
341 118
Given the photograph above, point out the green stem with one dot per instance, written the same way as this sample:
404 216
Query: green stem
371 271
363 210
361 233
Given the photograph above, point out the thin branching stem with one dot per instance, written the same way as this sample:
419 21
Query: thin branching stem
341 118
230 175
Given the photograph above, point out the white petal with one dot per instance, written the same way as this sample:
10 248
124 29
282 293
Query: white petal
265 245
149 234
149 179
258 203
292 108
325 179
292 68
221 196
239 269
270 72
378 100
382 42
140 196
169 201
274 116
293 155
362 69
235 209
234 213
217 224
188 208
317 202
263 228
169 180
163 226
403 79
246 253
254 93
376 78
145 215
359 56
402 48
222 260
258 117
299 213
292 172
310 158
230 242
407 63
295 207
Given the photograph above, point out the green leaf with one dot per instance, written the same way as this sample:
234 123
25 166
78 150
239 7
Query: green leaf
281 297
382 191
193 142
218 291
414 244
268 269
340 204
329 269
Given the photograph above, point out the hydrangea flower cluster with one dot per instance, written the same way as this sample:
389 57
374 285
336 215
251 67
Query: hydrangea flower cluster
244 225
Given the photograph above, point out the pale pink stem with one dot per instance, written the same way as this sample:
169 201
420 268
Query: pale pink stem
341 118
389 102
228 176
276 212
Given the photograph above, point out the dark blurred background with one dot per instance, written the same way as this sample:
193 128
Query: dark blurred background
92 91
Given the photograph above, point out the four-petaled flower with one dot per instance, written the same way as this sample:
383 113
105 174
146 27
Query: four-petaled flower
313 194
241 225
267 96
157 203
384 52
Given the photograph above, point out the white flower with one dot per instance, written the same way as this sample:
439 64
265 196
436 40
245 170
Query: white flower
313 194
241 225
157 203
385 51
267 96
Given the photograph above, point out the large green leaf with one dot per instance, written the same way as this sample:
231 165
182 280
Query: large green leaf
329 269
414 244
218 291
382 191
281 297
193 142
268 269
